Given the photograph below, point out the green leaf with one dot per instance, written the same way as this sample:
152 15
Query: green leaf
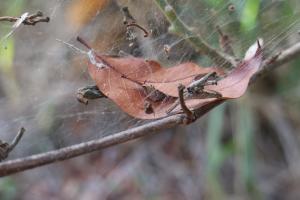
249 15
7 52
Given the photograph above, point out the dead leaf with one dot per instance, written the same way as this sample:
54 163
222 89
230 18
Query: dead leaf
122 82
131 83
235 84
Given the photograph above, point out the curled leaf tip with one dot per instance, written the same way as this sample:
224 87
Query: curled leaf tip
254 49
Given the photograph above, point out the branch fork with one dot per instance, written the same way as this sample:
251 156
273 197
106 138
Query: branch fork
29 20
190 116
6 148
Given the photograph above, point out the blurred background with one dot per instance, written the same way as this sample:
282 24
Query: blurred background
244 149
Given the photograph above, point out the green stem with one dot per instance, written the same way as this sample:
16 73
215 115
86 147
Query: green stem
179 27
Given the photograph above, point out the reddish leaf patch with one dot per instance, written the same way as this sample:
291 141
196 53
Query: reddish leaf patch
144 89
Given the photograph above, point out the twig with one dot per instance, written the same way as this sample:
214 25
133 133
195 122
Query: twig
16 139
189 114
203 81
128 18
82 41
279 59
6 148
225 41
152 128
129 21
140 27
30 20
220 58
196 90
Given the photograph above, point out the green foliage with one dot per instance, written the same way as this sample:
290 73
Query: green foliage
217 151
249 15
244 138
215 155
8 189
7 52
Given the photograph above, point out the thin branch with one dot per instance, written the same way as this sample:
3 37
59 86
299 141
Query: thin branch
129 21
225 42
30 20
127 17
6 148
220 58
279 59
84 43
140 27
16 139
189 114
152 128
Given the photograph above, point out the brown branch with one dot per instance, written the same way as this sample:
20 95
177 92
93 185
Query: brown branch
140 27
127 17
83 42
17 139
152 128
6 148
225 42
129 21
279 59
189 114
30 20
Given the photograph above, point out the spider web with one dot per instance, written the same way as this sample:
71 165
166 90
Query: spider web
49 73
46 74
47 88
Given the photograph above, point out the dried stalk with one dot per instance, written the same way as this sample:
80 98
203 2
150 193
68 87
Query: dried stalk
30 20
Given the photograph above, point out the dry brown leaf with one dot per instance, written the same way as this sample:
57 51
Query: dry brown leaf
235 84
123 81
133 83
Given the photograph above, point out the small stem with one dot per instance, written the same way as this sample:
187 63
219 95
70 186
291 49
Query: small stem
220 31
285 56
8 19
29 162
16 139
38 14
140 27
82 41
6 148
30 20
201 82
127 16
129 21
224 41
272 59
185 109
